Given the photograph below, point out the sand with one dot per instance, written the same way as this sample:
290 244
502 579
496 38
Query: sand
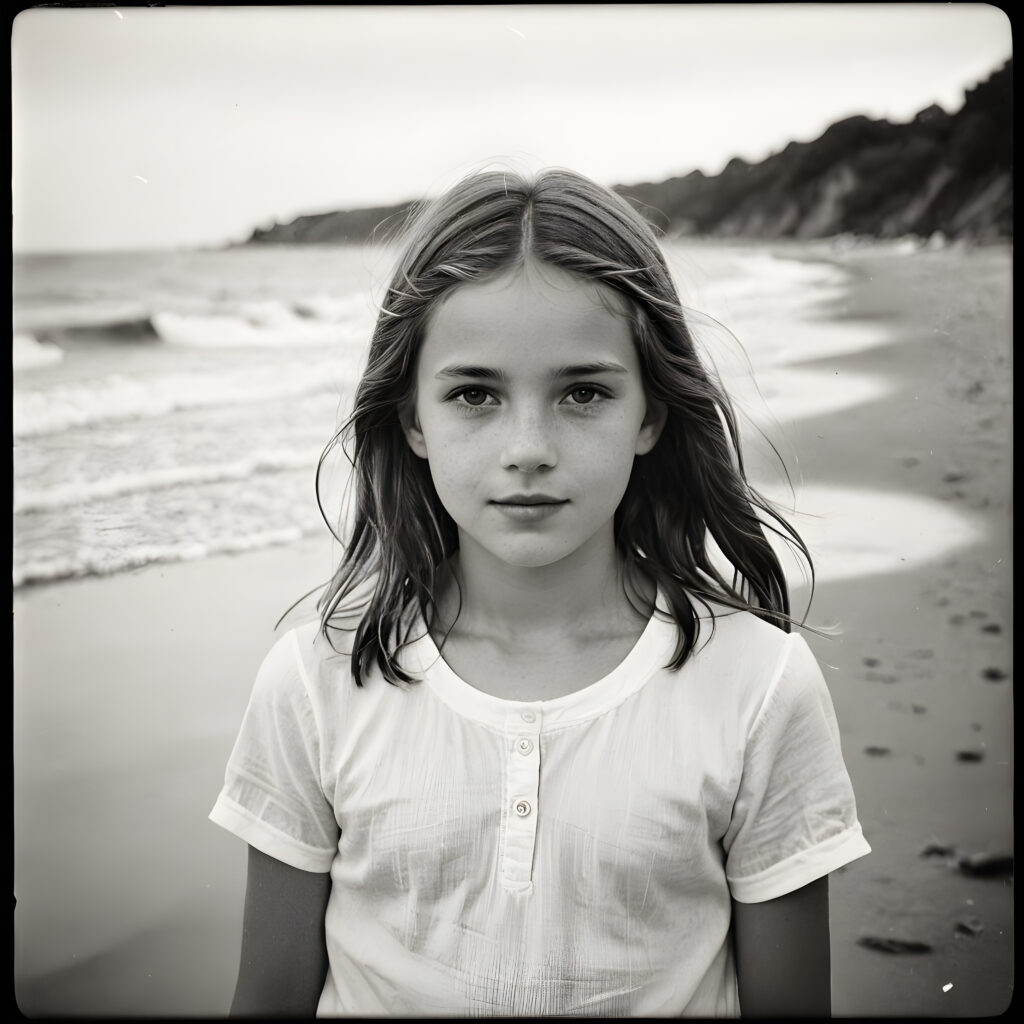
920 673
128 692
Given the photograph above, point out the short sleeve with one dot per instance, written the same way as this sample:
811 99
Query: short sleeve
272 796
795 817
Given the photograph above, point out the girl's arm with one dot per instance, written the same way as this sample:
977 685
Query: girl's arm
284 949
783 962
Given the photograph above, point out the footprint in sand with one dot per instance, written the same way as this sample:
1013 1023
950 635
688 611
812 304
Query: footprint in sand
992 627
896 705
874 751
972 756
936 848
993 675
881 677
887 945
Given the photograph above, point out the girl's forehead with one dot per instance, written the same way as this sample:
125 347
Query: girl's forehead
534 296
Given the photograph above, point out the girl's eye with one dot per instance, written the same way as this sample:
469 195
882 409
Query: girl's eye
472 396
583 396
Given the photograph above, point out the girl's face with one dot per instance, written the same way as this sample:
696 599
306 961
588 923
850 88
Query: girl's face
530 409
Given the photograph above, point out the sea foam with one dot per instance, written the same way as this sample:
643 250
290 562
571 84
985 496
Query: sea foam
269 324
29 354
107 562
854 532
119 397
115 485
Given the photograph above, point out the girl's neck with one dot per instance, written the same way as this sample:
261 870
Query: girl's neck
576 597
539 633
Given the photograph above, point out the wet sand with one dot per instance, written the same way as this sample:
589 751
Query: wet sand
921 669
128 692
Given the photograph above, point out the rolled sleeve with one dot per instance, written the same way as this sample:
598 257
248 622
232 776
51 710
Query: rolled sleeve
795 817
273 796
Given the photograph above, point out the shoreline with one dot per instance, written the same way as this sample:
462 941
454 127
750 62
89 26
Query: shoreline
920 671
129 689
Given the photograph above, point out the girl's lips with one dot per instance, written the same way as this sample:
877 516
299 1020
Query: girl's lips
529 499
529 509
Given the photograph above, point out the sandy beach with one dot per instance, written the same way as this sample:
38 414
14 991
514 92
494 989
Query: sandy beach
129 689
921 670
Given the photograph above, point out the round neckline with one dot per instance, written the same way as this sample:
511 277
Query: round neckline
651 651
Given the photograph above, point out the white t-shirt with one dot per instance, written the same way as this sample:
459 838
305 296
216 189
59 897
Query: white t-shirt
569 856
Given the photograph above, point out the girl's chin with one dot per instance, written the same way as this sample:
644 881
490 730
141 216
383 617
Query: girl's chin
522 548
518 557
524 560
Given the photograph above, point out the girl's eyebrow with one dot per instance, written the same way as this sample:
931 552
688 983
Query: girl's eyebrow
474 372
488 373
590 369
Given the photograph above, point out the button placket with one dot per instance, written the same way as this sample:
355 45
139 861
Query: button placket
522 776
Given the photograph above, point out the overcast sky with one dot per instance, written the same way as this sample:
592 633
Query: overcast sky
179 126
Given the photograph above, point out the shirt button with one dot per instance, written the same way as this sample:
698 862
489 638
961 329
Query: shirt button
528 716
522 808
524 746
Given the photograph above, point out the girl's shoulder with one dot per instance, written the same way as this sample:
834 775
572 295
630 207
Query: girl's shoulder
304 659
754 636
754 654
322 659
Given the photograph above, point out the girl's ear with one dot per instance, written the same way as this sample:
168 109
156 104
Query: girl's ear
652 426
411 428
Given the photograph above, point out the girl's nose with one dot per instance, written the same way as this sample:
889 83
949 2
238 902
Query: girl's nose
529 445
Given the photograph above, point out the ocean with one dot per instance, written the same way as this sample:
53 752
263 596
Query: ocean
173 405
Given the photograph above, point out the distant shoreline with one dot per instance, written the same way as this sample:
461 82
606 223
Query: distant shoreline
940 173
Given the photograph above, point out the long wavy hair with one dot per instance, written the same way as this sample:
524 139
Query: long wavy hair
689 490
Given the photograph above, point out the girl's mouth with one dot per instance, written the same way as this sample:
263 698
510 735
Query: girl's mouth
529 507
529 499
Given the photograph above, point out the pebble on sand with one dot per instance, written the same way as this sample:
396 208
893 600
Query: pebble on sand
970 755
987 865
969 926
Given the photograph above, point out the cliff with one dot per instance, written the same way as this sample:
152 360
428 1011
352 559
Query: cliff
938 173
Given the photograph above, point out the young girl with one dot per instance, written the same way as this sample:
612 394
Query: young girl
552 747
